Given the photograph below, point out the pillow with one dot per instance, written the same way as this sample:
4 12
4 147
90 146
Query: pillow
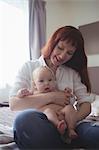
95 106
4 93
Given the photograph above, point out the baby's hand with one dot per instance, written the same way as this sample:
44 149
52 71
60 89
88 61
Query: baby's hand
23 92
68 90
72 96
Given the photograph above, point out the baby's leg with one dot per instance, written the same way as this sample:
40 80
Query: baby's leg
52 116
70 113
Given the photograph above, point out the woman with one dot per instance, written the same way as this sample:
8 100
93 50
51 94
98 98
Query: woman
64 54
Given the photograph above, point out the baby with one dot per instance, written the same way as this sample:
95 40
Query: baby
44 81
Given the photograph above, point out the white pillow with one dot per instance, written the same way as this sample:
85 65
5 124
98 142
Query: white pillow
4 93
95 106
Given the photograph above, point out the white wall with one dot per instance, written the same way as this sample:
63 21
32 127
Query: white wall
72 12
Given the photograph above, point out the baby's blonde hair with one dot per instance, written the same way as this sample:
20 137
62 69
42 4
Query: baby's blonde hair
34 74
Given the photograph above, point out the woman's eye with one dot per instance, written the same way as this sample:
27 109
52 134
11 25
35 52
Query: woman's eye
60 48
70 53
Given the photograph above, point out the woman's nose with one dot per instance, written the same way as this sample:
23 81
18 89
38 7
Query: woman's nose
63 55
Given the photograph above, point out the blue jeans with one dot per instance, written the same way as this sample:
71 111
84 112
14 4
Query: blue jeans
32 130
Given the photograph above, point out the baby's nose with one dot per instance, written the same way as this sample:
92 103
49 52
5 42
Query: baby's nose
46 83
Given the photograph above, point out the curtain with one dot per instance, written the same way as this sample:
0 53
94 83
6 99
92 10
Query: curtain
37 27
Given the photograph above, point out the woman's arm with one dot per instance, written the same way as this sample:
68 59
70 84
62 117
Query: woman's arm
84 111
31 101
39 100
83 97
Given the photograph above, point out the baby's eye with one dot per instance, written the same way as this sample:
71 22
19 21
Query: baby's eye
50 79
41 80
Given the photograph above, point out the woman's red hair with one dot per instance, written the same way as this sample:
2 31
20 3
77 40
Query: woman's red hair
79 60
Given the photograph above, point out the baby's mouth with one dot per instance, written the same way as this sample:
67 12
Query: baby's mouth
47 89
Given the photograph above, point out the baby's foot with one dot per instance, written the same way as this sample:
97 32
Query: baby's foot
72 134
61 126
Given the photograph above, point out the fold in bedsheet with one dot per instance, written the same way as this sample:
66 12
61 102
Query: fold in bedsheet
7 116
6 139
6 132
9 146
4 104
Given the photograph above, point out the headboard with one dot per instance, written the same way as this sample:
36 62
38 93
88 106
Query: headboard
94 78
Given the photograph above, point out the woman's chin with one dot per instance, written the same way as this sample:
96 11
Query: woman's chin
56 64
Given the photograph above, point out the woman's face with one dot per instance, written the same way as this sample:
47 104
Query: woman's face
62 53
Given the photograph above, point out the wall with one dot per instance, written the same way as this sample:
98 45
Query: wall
72 12
93 74
90 33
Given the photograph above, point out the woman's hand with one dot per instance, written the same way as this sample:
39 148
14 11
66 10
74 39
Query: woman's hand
60 98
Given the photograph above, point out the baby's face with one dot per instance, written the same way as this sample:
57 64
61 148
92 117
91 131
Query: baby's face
44 81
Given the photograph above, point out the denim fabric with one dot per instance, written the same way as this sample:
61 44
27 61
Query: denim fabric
32 130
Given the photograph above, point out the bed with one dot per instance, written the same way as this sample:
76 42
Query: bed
6 130
7 116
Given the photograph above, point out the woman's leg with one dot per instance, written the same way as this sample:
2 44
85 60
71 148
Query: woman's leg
88 136
32 129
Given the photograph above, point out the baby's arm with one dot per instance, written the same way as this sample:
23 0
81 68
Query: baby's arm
24 92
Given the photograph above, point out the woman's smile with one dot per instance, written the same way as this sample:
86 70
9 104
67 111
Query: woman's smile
62 52
56 59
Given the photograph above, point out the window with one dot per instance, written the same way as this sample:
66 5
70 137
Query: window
14 45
